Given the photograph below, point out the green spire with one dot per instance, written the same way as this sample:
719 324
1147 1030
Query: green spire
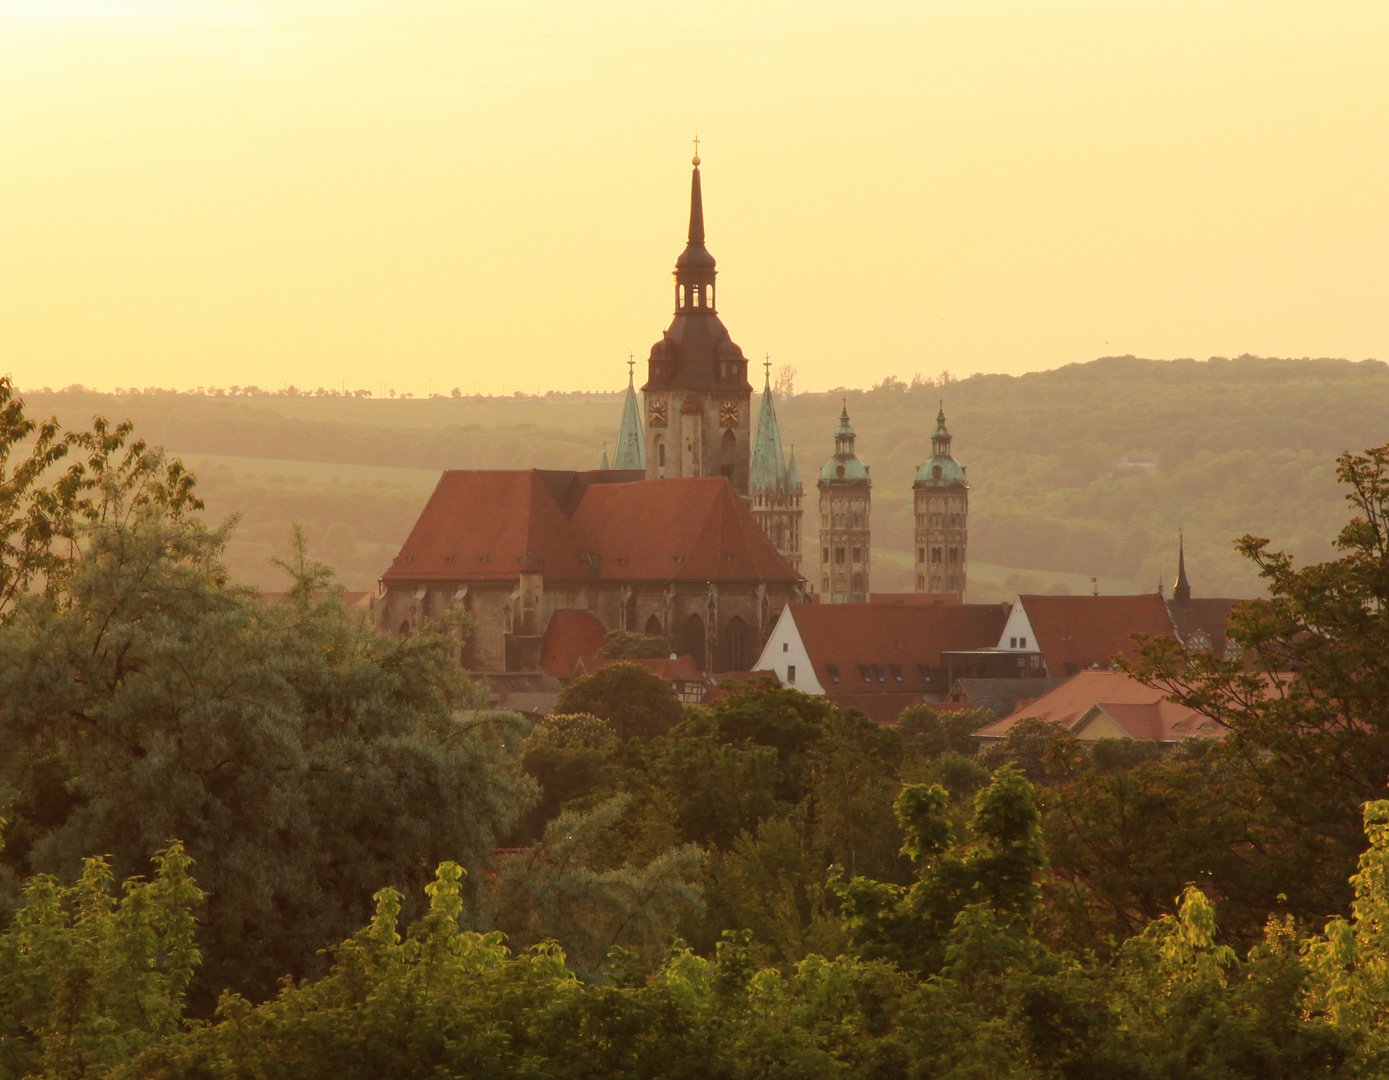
605 465
631 442
793 475
767 470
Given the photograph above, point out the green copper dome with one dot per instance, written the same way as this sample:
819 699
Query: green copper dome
940 470
844 467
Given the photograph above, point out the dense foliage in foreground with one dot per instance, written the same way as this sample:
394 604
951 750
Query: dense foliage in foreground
768 886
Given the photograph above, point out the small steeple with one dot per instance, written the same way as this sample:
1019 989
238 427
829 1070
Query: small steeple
605 465
1181 591
631 440
767 469
940 438
695 265
793 474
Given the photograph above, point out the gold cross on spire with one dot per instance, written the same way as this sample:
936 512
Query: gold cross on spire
696 153
767 363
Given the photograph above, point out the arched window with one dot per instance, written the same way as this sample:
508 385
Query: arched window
856 583
693 641
728 453
920 582
405 628
660 454
735 645
653 627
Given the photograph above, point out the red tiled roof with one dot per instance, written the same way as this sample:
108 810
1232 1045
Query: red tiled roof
1075 633
571 634
847 635
723 683
1142 711
885 709
489 524
484 525
914 599
691 528
678 669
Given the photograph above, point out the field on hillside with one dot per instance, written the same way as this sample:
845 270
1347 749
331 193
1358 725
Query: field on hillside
1237 446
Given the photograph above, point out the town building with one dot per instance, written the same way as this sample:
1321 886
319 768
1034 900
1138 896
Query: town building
845 533
878 658
681 559
774 485
1071 634
941 497
1201 622
697 391
1098 705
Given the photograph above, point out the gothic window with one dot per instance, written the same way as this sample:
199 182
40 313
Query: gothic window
921 582
935 555
826 556
858 583
653 627
920 554
405 628
660 454
735 639
824 584
694 640
839 556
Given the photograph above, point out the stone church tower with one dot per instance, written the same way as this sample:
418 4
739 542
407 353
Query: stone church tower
844 532
774 487
697 390
942 518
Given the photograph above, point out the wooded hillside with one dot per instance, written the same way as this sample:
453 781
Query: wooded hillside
1240 445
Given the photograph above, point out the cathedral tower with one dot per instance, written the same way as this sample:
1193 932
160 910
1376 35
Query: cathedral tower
942 517
697 390
844 532
774 489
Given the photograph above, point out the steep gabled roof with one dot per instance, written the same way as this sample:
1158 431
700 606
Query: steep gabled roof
1209 615
681 529
1075 633
572 634
878 636
490 524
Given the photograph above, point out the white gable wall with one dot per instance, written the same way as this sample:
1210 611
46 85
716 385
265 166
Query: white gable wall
1017 632
784 650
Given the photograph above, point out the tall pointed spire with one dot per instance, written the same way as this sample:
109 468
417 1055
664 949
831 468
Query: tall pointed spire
767 470
1181 591
695 265
793 474
631 440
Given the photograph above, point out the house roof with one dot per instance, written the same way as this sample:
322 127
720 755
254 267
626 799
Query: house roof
482 525
572 634
1075 633
852 637
1141 711
914 599
885 709
1207 615
1000 696
675 668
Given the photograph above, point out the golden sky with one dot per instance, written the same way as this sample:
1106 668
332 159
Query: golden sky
438 193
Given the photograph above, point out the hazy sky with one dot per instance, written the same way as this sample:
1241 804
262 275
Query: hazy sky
399 191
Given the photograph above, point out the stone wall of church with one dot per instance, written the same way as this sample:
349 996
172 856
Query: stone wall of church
699 433
723 626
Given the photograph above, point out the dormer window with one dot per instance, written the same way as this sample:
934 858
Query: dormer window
896 670
833 671
864 673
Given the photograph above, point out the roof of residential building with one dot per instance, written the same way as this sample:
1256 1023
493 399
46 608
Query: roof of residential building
1076 633
674 668
1109 704
1000 696
883 647
914 599
481 525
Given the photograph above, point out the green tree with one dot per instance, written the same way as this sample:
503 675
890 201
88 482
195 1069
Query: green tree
932 733
89 980
637 703
302 757
628 645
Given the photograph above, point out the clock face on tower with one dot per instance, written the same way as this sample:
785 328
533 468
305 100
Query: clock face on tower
656 414
728 414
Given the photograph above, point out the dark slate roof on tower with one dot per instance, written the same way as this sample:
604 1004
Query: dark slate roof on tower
1181 591
767 473
696 351
631 442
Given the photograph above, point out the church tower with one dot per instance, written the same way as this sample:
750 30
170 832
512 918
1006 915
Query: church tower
773 488
844 532
942 517
697 390
631 444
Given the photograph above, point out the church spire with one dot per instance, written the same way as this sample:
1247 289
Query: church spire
631 440
1181 591
767 470
694 270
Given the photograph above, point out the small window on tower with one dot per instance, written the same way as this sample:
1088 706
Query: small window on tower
839 556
